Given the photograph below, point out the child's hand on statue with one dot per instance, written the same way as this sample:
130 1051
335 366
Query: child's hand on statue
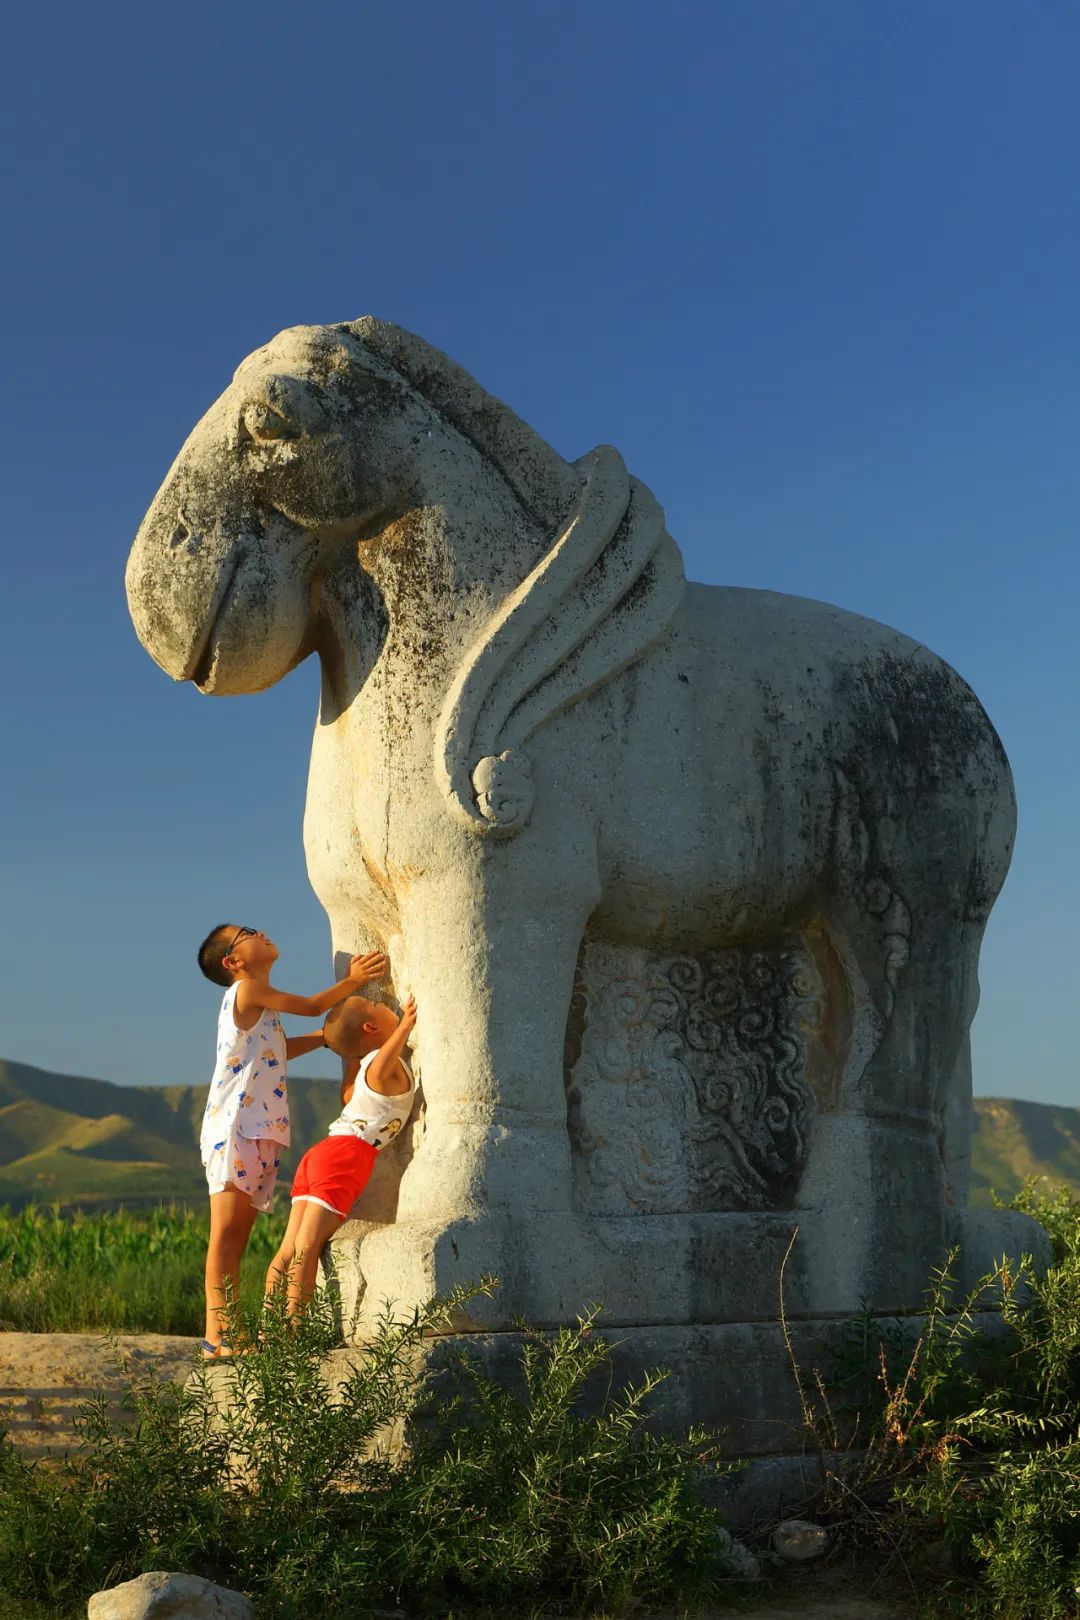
407 1021
362 969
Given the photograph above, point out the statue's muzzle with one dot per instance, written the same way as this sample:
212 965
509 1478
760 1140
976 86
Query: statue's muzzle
222 597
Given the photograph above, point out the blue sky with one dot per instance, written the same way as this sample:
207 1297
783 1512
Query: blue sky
812 267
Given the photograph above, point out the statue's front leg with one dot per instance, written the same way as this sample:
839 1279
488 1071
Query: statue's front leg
488 947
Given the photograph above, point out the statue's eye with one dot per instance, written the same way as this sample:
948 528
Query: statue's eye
265 425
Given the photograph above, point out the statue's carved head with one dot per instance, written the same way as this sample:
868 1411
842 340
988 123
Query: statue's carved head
323 437
298 451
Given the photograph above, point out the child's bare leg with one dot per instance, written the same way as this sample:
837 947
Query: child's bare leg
280 1265
317 1225
232 1215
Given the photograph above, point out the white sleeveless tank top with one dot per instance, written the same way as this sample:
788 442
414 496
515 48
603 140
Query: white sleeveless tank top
248 1094
371 1116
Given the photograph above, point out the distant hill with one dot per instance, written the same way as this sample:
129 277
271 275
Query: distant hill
1013 1140
69 1140
65 1139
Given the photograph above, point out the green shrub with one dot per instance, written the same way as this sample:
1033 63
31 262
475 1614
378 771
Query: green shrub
972 1433
251 1476
1055 1208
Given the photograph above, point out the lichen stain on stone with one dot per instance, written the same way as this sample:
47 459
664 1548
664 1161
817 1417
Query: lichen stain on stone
922 738
893 697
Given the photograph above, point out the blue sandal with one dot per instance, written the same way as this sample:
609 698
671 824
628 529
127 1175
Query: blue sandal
216 1352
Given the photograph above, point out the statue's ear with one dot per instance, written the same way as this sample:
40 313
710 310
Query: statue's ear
595 603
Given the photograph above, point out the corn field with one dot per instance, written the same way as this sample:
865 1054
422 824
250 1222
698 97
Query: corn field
122 1270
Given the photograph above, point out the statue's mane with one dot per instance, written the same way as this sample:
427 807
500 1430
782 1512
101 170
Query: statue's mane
606 590
540 478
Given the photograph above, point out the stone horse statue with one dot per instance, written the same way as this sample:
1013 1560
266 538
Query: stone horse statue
689 882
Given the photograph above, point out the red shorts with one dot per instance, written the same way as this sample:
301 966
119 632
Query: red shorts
334 1173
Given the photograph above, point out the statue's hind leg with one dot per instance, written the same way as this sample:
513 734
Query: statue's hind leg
982 1236
885 1189
874 1190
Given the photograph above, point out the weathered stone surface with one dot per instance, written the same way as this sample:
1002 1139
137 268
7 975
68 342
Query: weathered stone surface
753 1497
160 1595
799 1541
689 883
740 1380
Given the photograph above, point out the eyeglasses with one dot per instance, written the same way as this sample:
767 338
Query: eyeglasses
241 933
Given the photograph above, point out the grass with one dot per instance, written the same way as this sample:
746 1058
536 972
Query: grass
120 1271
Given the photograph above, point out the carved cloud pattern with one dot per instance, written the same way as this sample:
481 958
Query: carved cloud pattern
686 1085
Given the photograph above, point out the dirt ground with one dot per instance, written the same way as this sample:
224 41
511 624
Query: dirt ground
44 1378
815 1592
816 1609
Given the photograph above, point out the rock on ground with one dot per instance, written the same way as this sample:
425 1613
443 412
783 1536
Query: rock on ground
160 1595
740 1560
798 1540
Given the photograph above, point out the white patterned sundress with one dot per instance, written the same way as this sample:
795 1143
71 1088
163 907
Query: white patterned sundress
248 1095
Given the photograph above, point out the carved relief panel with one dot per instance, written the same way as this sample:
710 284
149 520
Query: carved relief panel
687 1085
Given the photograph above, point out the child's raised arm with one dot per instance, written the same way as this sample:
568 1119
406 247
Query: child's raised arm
300 1045
384 1065
253 994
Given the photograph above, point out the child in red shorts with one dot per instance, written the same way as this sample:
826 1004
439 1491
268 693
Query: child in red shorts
377 1095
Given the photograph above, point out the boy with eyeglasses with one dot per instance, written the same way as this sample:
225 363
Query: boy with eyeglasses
246 1123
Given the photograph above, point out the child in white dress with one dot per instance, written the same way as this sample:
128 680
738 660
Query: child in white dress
246 1122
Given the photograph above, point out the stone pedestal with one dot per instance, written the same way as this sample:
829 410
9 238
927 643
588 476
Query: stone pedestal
705 1270
739 1380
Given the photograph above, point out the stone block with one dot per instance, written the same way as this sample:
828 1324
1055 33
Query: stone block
987 1236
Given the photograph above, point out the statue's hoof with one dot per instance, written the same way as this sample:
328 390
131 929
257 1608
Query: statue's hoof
504 790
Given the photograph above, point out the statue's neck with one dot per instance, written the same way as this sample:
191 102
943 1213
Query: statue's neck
429 562
462 540
438 569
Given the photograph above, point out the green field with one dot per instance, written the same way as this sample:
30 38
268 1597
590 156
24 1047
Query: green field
123 1270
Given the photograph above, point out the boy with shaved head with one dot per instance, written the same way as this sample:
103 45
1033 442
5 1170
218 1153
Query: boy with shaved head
377 1095
246 1123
